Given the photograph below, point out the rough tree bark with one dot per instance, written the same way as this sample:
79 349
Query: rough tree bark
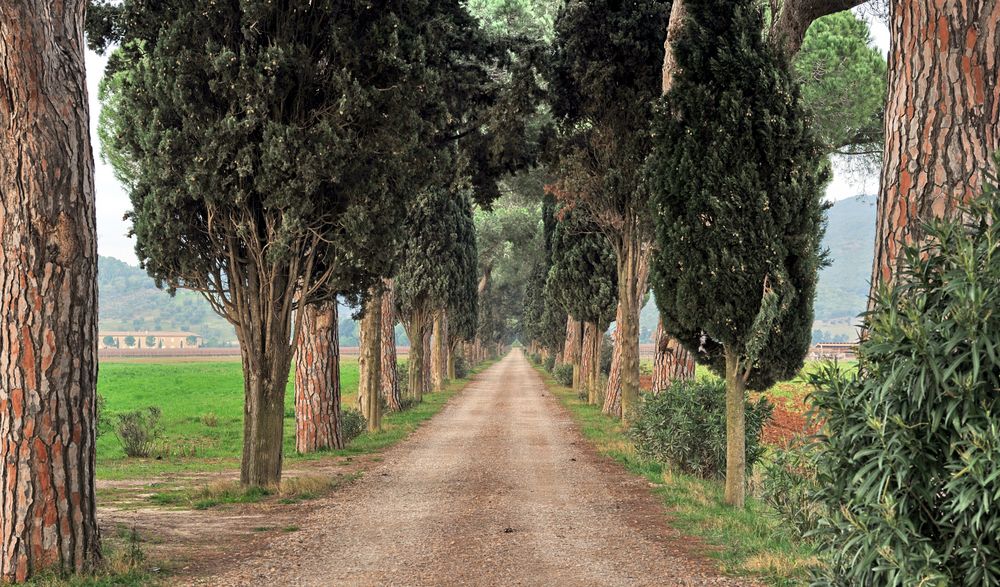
942 119
48 294
415 326
370 362
427 355
572 352
439 351
590 361
390 374
735 432
317 380
622 395
613 390
264 384
672 362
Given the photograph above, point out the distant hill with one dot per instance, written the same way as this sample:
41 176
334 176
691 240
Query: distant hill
130 300
842 293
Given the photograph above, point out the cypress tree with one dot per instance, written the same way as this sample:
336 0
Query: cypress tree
583 280
605 74
737 183
263 145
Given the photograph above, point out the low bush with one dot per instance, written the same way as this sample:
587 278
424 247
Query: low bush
788 485
563 374
550 364
403 377
139 431
684 426
911 440
210 419
607 353
461 367
535 358
352 424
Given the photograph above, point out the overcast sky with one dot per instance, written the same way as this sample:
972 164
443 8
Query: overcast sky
113 203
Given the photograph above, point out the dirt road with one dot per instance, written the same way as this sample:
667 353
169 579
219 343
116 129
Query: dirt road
498 489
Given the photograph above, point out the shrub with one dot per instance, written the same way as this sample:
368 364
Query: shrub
788 485
550 364
684 426
100 415
138 431
535 358
210 419
352 424
607 353
461 367
563 374
402 376
910 443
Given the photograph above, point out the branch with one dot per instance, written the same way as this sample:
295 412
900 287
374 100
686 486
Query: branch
789 29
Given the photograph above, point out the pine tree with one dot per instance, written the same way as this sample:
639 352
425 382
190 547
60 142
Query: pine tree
583 280
737 182
235 128
605 74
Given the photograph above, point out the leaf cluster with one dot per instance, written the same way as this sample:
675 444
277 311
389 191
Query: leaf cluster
737 181
907 456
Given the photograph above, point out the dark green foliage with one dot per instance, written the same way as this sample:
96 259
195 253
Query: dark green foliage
607 354
583 278
907 458
249 115
139 431
788 485
563 374
843 83
684 426
403 373
352 424
549 363
439 260
737 185
604 75
461 367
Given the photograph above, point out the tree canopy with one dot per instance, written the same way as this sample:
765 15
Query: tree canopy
737 179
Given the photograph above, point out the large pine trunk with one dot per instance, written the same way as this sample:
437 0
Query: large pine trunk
613 390
590 361
390 374
672 362
317 380
942 118
622 395
370 362
48 294
425 369
414 377
439 351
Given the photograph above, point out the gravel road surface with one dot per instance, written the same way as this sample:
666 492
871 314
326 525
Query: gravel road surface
498 489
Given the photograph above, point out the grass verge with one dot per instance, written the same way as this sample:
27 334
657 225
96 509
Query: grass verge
746 542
